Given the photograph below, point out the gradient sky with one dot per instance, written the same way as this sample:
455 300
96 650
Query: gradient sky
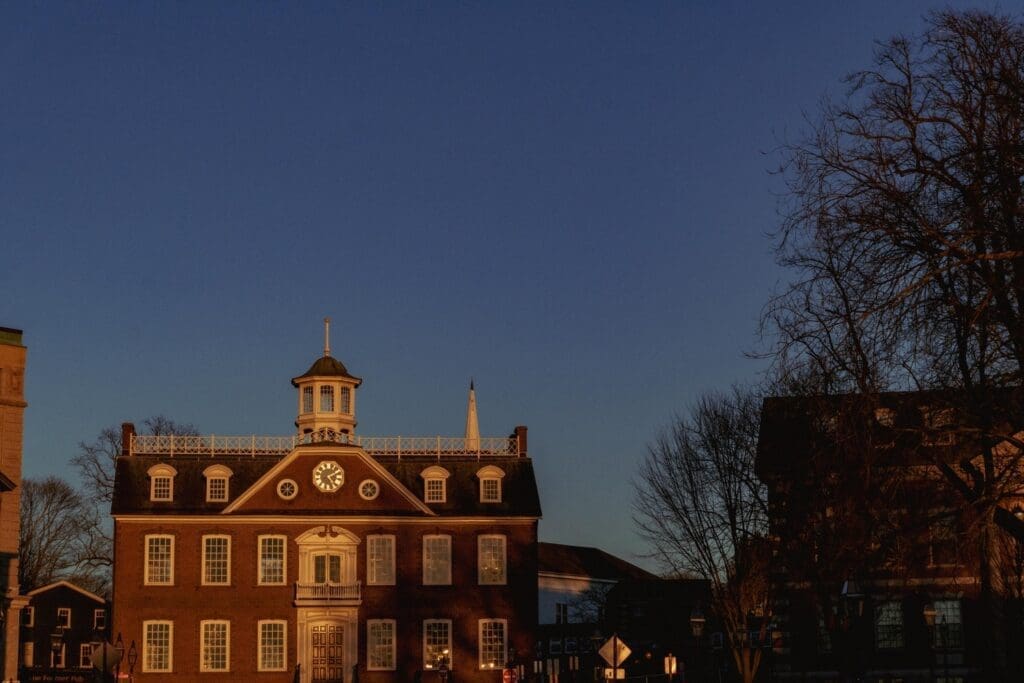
567 202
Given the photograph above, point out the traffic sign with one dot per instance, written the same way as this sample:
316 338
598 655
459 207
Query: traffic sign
614 651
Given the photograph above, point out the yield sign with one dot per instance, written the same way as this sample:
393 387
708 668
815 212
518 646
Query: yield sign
614 651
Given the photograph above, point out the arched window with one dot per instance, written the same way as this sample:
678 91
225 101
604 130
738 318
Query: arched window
217 477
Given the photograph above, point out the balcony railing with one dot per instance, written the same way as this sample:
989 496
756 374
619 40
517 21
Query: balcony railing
398 446
327 592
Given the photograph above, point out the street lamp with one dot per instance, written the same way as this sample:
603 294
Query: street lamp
119 647
133 656
442 667
697 622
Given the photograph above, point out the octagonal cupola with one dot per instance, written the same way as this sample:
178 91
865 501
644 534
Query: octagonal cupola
327 394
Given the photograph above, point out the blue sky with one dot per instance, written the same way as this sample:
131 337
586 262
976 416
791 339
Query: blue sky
568 202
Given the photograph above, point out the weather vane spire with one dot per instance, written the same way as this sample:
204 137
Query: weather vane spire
327 336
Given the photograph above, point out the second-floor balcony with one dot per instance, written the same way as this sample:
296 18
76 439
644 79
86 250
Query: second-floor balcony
327 593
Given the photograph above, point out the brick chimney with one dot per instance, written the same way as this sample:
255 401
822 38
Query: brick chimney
127 432
520 436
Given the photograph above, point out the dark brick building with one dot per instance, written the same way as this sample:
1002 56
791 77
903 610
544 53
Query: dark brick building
328 555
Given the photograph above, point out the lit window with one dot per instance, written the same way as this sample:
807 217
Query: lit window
949 628
272 558
28 616
346 402
161 482
307 399
437 560
493 644
99 619
63 617
156 645
380 560
28 654
214 646
216 560
272 646
85 655
889 626
380 644
326 399
437 643
490 484
491 560
434 479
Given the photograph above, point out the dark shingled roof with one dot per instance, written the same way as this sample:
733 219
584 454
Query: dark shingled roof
326 366
582 561
519 486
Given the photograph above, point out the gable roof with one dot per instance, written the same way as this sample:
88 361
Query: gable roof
66 584
595 563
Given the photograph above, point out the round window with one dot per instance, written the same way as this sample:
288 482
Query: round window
287 488
369 489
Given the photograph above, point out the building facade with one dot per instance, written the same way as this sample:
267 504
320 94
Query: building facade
12 420
60 627
325 556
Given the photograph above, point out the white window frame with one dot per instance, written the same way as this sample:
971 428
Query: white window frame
373 647
99 619
345 401
261 578
147 579
326 392
28 616
64 617
438 476
216 496
160 472
205 647
307 393
262 648
373 576
429 580
59 662
147 654
481 564
428 658
490 474
85 655
205 580
481 625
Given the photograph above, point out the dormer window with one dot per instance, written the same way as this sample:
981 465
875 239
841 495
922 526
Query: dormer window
435 484
490 484
307 399
161 483
326 399
217 477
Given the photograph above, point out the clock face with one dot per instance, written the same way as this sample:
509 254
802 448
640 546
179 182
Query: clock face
328 476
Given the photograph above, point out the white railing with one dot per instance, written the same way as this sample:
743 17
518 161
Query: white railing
327 591
212 445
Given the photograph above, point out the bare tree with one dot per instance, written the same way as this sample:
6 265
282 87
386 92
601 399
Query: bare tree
700 505
55 536
905 232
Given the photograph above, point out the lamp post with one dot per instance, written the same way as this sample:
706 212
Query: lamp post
442 666
697 622
133 656
56 644
119 647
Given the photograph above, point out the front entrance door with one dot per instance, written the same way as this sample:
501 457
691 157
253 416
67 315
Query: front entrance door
328 662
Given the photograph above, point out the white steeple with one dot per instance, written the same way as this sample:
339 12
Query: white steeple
472 426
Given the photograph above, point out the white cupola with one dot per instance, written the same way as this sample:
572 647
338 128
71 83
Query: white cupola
327 394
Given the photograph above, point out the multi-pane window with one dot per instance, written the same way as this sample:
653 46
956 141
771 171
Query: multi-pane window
346 400
437 643
156 645
380 560
889 626
213 646
217 489
99 619
380 644
327 568
491 560
434 490
307 399
272 646
85 655
493 643
271 560
63 617
162 488
437 560
216 560
490 490
326 399
949 628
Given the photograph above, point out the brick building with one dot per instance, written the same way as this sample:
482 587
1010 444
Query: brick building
12 419
327 555
875 569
